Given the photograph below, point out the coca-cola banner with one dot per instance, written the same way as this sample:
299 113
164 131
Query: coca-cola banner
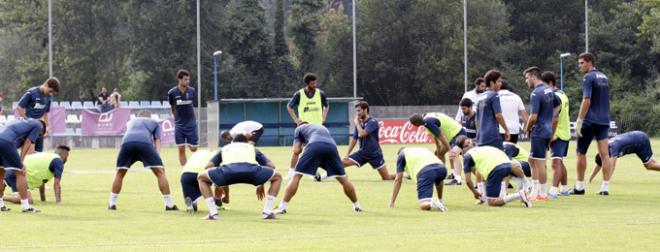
56 120
112 123
167 132
401 132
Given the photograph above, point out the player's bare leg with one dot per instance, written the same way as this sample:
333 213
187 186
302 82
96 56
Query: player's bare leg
652 165
182 155
603 150
164 188
385 174
204 182
349 190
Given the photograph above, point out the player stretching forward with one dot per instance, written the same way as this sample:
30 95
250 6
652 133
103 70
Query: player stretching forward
181 99
42 167
141 142
627 143
426 170
254 131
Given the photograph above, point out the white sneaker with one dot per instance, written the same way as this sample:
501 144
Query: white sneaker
279 211
523 197
441 207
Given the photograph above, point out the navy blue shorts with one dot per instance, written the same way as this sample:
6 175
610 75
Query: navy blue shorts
526 168
10 180
9 156
39 144
190 185
375 160
132 152
589 132
186 136
322 155
539 148
240 173
496 143
431 175
452 143
495 178
256 135
559 149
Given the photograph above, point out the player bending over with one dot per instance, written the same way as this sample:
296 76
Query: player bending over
426 170
628 143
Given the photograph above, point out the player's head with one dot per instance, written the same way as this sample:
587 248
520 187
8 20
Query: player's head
479 85
63 152
466 106
310 81
416 119
183 77
43 127
104 90
115 90
549 78
144 113
532 76
464 143
586 62
506 86
493 79
225 135
240 138
51 85
362 109
598 161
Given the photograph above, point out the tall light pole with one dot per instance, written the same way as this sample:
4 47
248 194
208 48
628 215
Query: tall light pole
216 59
50 38
465 56
199 76
586 25
561 69
354 52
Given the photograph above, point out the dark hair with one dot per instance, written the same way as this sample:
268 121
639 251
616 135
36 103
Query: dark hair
181 73
534 71
416 119
225 135
492 76
549 77
588 57
598 161
240 138
308 78
505 86
478 81
53 83
63 147
363 105
466 102
460 141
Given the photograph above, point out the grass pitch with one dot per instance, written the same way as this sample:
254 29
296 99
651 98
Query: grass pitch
320 217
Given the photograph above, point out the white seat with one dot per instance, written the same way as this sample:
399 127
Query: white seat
3 119
155 117
72 119
11 118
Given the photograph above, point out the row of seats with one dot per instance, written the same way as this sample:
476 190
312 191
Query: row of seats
91 105
71 118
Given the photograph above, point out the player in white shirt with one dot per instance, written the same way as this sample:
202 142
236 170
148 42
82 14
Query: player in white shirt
513 110
253 129
474 95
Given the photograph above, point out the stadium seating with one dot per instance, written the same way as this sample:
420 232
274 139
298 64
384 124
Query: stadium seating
164 116
69 131
54 104
3 119
88 105
65 104
134 104
123 104
166 104
155 117
71 118
156 104
14 105
76 105
145 104
11 118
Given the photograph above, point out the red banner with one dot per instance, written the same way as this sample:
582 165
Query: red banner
401 132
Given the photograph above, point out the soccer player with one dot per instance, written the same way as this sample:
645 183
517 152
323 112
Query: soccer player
489 113
467 120
628 143
474 95
35 104
366 130
444 131
493 165
513 111
320 151
254 131
239 165
182 100
426 170
141 142
540 128
559 142
42 168
593 121
20 133
517 153
198 162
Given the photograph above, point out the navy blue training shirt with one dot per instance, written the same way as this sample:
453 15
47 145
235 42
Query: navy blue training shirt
369 144
628 143
18 130
56 167
595 85
543 101
312 133
35 103
433 125
469 126
260 157
487 108
141 130
511 150
183 104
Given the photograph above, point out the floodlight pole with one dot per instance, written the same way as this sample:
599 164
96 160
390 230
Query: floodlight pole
216 59
561 69
199 77
354 52
50 38
465 55
586 25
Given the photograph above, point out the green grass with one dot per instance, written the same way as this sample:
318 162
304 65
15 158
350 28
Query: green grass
320 216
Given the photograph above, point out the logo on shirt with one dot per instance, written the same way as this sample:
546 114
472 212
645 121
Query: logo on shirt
39 106
183 102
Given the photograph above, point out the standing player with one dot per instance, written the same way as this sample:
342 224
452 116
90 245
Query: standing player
21 133
366 130
141 142
474 96
426 170
254 131
541 127
513 111
239 165
495 167
35 104
42 168
310 106
182 98
467 120
444 131
489 113
628 143
321 151
593 121
559 142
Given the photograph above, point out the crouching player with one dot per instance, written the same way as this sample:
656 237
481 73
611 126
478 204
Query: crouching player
198 162
42 168
426 170
628 143
495 167
238 164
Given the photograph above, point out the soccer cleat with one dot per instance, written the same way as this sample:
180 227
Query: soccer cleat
5 209
523 197
604 193
268 216
211 217
578 192
189 205
173 208
279 211
566 193
441 207
542 198
553 196
30 210
218 202
479 202
453 182
450 177
112 207
317 177
357 209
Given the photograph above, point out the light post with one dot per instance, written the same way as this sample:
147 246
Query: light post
216 61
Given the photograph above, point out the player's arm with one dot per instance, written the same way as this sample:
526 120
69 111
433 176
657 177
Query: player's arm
57 187
468 164
530 123
297 149
497 110
398 180
47 121
26 147
326 107
23 103
157 144
361 132
42 192
523 115
170 99
289 108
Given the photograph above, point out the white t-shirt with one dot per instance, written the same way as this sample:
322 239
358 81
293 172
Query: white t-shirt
511 106
472 95
245 127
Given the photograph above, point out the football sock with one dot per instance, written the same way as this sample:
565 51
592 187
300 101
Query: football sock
535 187
290 175
168 200
511 197
563 188
481 188
25 204
503 189
604 186
544 189
210 202
356 205
113 199
579 185
283 205
457 177
2 202
268 206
